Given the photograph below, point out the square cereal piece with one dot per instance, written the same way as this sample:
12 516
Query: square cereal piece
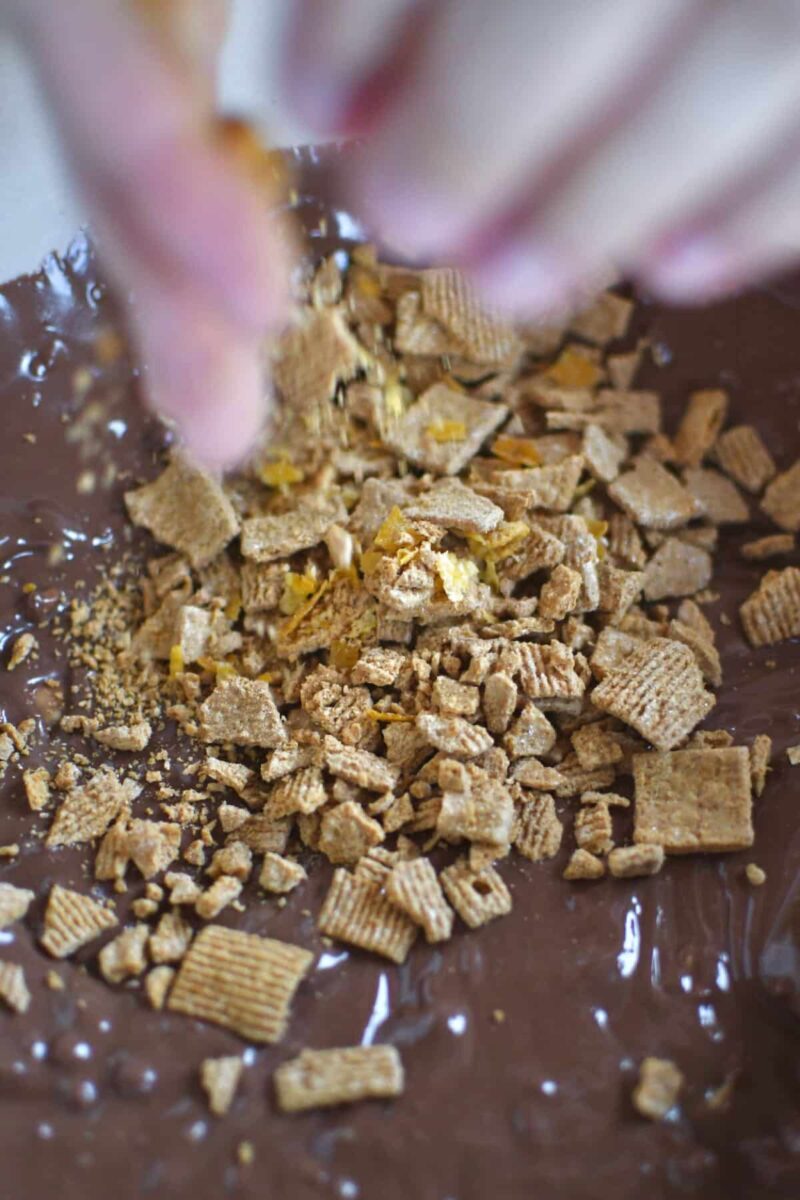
467 421
538 831
653 497
240 981
658 690
742 454
13 988
605 320
355 911
14 903
781 500
677 569
477 896
482 336
187 509
720 500
772 613
241 711
693 800
71 920
322 1078
265 539
302 792
456 507
87 811
700 426
774 545
313 358
414 888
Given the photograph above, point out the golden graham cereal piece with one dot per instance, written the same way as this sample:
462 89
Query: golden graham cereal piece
321 1078
71 920
356 911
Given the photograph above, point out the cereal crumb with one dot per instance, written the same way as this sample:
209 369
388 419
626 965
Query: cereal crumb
658 1088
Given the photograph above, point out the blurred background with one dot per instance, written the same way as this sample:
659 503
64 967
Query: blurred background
38 210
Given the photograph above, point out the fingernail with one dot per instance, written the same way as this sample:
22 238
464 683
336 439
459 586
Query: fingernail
524 278
692 267
407 215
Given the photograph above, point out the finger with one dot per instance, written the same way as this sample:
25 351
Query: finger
724 116
499 95
137 139
335 49
758 238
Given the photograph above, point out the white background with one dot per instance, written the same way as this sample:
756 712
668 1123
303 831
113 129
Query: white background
38 210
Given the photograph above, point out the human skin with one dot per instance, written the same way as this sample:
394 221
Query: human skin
544 145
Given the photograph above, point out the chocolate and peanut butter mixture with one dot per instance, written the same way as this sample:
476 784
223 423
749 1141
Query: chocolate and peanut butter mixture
344 778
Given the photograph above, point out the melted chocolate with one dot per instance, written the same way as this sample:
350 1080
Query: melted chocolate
99 1095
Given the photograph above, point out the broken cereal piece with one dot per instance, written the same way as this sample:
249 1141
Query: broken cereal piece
356 912
781 500
479 334
124 956
760 752
454 735
219 1078
13 988
157 984
187 509
312 358
22 648
414 888
214 899
605 320
658 690
720 500
584 865
152 845
774 545
538 831
477 896
37 788
14 903
742 454
629 862
86 812
279 874
772 613
756 876
484 813
242 711
658 1088
499 701
170 939
239 980
267 538
71 920
362 768
694 800
593 828
346 833
302 792
793 755
410 438
530 734
700 426
125 737
676 569
560 593
653 497
321 1078
456 507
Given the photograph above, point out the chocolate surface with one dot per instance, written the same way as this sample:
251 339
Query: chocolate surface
99 1095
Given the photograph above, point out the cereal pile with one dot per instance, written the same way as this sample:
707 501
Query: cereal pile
451 612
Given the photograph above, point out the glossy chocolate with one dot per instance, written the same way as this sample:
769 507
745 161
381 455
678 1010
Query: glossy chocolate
99 1095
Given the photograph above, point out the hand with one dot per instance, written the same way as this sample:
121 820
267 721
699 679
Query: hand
544 143
183 234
